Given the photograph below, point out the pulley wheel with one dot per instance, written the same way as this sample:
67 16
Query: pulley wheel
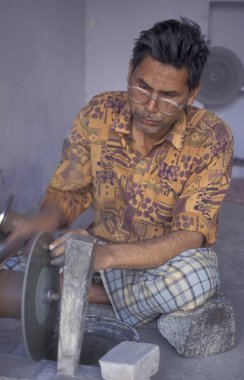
39 313
222 78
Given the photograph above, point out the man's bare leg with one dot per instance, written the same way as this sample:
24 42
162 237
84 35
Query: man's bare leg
98 294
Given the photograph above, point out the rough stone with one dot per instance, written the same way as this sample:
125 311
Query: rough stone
207 330
130 361
79 257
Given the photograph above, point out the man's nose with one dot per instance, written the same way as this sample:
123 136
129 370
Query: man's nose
152 105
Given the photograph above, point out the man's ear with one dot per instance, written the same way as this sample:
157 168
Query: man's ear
193 94
129 72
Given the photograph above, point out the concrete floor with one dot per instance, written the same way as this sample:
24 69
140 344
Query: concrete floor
225 366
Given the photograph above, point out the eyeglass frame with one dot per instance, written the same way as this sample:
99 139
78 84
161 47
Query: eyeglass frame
157 98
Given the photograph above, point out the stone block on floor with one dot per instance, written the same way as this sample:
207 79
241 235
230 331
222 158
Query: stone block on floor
207 330
130 361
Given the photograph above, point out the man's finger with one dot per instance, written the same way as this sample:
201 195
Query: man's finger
60 240
57 250
58 261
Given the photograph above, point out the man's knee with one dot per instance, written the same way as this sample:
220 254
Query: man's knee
188 280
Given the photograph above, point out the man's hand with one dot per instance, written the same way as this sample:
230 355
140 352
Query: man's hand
25 228
57 247
47 220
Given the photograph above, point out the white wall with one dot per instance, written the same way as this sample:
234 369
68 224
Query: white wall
42 83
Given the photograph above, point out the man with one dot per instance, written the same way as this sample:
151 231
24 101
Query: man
156 170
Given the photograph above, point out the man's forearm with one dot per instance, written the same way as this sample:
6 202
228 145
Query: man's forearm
52 216
146 254
49 219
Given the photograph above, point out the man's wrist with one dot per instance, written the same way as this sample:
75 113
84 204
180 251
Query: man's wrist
103 257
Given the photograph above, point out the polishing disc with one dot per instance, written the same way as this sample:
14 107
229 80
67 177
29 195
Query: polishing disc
222 78
39 313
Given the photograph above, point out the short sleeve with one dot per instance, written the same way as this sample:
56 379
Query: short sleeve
204 191
70 186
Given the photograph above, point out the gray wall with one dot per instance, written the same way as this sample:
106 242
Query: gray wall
42 86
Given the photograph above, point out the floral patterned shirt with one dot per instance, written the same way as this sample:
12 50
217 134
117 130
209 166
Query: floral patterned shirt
179 184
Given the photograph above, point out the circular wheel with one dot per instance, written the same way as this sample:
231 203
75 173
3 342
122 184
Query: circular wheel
39 313
222 77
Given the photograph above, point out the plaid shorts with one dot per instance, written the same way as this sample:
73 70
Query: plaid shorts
183 283
16 263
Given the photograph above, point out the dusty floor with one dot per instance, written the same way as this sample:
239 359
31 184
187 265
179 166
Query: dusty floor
225 366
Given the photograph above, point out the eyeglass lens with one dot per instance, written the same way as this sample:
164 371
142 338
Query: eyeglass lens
142 97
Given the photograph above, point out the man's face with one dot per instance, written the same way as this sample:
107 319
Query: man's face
164 81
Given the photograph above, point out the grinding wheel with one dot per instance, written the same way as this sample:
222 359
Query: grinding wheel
222 78
40 294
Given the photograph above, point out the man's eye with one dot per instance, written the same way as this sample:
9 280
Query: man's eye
166 95
169 95
143 88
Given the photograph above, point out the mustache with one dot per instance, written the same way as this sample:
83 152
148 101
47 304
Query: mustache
145 115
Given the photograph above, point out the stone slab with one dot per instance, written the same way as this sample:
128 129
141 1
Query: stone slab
130 361
79 257
207 330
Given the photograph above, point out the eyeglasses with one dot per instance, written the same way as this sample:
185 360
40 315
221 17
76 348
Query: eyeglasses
165 106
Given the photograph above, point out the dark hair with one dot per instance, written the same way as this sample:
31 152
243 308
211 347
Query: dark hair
177 43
